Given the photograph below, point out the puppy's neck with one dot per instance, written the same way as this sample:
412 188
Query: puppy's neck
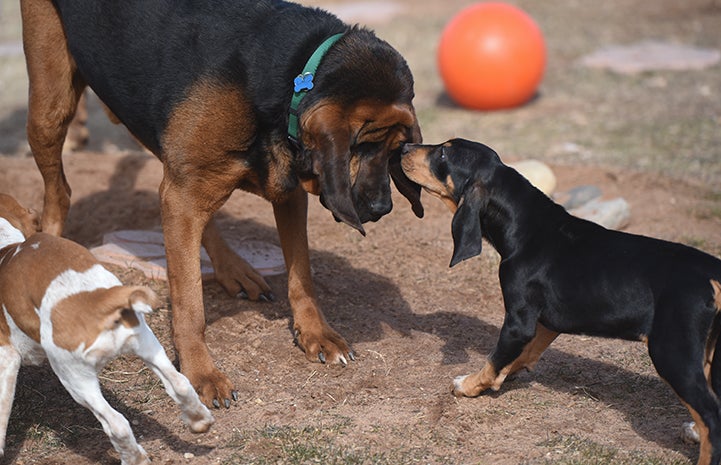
9 234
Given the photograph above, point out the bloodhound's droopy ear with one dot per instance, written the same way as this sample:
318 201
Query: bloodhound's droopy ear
327 138
405 186
466 225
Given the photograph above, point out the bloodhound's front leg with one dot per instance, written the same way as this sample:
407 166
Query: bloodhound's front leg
315 337
232 272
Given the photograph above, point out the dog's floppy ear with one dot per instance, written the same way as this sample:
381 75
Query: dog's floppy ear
328 142
405 186
466 225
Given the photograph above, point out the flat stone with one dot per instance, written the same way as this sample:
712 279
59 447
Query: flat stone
577 196
652 55
145 251
611 214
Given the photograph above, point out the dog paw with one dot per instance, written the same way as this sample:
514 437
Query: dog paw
213 388
689 433
199 420
463 386
326 346
457 389
240 279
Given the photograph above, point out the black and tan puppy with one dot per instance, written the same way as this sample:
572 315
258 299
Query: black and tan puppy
265 96
562 274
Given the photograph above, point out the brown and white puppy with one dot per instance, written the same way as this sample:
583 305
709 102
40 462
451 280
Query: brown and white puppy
59 303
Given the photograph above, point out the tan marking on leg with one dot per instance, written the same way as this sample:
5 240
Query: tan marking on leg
489 378
533 350
474 384
713 334
706 448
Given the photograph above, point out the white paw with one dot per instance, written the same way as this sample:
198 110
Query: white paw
199 421
689 433
458 382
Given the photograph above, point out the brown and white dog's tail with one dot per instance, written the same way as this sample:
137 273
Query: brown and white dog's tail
121 303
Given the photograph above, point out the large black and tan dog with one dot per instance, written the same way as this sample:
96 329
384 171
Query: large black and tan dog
207 86
562 274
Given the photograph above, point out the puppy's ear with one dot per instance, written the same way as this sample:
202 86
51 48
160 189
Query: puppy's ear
328 139
466 225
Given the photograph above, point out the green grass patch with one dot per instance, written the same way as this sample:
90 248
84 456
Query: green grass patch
311 445
575 450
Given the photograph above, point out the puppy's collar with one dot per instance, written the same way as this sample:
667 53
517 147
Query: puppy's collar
304 82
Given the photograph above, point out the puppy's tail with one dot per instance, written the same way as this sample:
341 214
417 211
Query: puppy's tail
120 303
712 363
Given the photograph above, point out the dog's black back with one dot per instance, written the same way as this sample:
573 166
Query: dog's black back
562 274
582 277
166 46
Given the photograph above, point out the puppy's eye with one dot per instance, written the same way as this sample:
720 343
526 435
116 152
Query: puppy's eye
443 154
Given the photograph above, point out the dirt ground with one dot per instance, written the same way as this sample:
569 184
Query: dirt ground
413 322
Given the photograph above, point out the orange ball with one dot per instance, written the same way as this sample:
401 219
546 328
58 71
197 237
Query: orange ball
491 56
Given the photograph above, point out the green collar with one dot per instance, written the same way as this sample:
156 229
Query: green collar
304 82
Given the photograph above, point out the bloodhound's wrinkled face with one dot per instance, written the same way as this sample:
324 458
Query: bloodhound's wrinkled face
354 152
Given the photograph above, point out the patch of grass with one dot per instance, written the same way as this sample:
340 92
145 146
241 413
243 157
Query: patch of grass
575 450
309 445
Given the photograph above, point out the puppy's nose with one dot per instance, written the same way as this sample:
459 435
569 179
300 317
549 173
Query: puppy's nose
406 148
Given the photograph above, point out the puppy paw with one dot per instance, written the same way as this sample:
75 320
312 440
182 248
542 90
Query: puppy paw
689 433
467 386
457 389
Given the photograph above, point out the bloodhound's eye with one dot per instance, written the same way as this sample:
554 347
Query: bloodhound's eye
367 148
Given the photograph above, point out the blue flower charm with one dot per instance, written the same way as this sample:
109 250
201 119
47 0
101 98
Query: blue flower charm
303 82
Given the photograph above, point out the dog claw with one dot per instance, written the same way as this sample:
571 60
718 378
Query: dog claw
321 357
216 404
343 361
351 356
227 403
234 395
243 295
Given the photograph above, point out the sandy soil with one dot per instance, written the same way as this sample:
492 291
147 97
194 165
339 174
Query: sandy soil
413 322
